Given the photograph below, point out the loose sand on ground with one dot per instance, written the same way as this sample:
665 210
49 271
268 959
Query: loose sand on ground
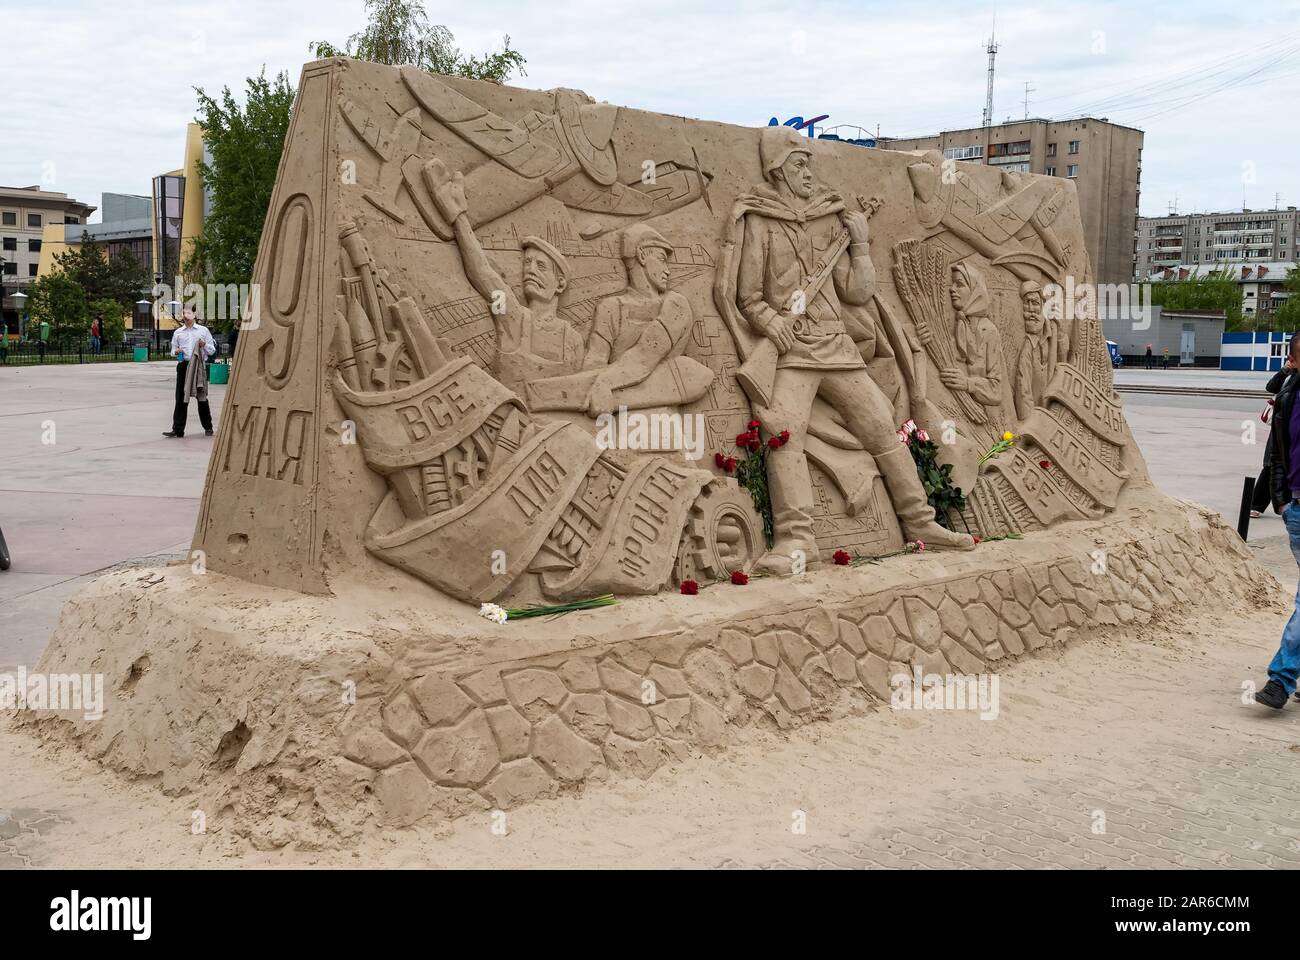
1149 719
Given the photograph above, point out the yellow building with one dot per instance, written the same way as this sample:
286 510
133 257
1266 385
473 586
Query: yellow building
159 229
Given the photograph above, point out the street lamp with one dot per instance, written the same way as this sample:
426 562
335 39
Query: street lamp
141 308
20 301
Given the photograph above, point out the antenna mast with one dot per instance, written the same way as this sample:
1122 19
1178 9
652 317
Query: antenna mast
992 50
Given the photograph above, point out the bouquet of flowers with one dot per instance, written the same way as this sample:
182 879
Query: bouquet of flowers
936 477
750 468
499 614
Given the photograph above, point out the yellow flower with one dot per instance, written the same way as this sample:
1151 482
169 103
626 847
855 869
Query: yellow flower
1008 436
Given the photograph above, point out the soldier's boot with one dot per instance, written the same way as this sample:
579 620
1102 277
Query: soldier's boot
793 546
915 514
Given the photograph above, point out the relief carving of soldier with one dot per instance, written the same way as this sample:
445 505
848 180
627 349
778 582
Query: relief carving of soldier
533 341
635 352
789 224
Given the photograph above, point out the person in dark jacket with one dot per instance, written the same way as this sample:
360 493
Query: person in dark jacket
1263 495
1284 483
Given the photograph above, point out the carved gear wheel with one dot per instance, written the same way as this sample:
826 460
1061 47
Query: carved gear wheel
723 533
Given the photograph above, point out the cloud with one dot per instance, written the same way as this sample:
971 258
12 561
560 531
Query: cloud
102 101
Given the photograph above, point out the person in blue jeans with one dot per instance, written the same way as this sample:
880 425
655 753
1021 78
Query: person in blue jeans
1284 482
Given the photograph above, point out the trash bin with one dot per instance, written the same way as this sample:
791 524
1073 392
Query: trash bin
218 373
141 354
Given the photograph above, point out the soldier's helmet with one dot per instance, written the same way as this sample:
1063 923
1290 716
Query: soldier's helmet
776 144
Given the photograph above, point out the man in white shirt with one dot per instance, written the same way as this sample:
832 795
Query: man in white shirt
191 340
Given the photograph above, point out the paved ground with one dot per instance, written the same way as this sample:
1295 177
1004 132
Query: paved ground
88 481
1207 379
1137 751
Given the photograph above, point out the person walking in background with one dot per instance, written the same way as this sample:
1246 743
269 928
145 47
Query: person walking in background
1164 360
1263 492
1284 484
192 344
96 338
1151 360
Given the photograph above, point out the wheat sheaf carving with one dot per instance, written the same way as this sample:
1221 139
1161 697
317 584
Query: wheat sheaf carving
922 274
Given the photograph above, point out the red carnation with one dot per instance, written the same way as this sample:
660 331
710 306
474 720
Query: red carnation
690 588
755 424
841 558
739 577
730 465
774 442
755 444
1045 464
785 436
720 461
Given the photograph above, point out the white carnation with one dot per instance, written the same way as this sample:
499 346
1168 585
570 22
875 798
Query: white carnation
493 612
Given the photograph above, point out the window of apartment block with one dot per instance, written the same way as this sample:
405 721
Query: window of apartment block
33 246
72 220
1074 146
1072 170
11 267
34 220
31 269
1051 171
10 243
9 219
1051 149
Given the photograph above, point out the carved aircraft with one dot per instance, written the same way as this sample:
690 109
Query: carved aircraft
991 224
568 154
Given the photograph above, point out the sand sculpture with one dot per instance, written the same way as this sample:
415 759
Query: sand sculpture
475 298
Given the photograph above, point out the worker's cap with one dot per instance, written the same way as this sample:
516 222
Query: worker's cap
641 235
561 264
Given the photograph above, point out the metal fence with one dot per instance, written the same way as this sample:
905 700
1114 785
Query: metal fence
34 353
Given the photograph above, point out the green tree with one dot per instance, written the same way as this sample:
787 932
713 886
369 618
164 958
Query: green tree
398 33
112 319
120 278
1287 315
245 142
60 301
1218 290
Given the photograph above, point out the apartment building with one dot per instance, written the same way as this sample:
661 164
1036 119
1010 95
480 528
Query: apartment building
24 214
1239 237
1103 159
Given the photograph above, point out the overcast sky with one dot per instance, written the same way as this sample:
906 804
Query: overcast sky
95 95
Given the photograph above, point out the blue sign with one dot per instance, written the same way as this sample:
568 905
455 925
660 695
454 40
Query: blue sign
799 123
